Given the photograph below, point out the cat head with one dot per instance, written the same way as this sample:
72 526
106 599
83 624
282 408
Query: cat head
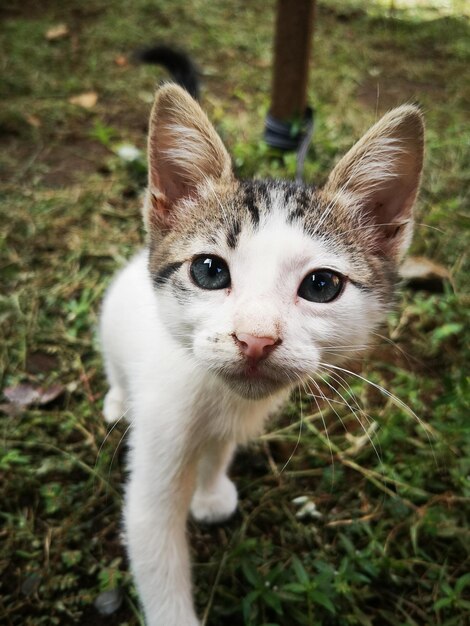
263 281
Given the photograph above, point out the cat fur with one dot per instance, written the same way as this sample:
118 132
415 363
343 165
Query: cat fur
175 369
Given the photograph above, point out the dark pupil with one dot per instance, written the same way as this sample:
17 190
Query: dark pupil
210 272
321 281
320 286
212 268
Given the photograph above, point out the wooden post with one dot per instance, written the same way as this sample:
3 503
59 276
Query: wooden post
293 43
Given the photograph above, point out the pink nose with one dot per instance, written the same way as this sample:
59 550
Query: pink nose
255 348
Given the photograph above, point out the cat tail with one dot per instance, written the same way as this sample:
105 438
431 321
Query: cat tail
181 67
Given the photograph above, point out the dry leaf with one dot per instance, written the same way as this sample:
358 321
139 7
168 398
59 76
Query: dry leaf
33 121
40 362
85 100
59 31
26 394
420 273
49 394
121 60
23 395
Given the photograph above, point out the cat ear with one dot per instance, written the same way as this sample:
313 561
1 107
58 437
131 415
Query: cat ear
380 176
185 152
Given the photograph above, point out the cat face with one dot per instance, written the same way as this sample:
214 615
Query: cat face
264 281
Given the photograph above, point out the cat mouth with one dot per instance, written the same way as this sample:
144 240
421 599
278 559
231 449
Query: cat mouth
252 371
254 374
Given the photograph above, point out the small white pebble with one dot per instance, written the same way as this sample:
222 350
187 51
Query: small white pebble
300 500
128 152
309 509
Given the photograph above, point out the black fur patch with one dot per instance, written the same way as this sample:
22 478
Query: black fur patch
297 213
289 191
250 201
232 235
162 276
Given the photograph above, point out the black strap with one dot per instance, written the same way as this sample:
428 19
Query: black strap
280 134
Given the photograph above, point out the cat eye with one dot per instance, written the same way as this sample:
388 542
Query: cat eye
321 286
210 272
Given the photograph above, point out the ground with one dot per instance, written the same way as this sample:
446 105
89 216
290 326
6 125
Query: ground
332 528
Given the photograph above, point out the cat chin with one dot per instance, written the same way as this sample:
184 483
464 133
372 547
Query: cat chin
254 389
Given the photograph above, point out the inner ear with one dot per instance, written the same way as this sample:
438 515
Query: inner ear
380 177
392 231
185 152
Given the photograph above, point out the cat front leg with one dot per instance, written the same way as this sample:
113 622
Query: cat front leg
215 498
156 508
114 405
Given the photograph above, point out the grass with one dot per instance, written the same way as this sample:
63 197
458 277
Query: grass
387 540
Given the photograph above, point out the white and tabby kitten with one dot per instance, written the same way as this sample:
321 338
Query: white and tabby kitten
244 289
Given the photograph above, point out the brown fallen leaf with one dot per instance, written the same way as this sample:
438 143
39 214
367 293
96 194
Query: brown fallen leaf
41 362
121 60
33 120
49 394
58 31
26 394
85 100
23 395
420 273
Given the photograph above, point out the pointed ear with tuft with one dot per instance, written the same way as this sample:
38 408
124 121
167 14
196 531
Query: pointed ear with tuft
185 152
380 177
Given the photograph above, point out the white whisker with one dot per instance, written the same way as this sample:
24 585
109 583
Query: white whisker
330 447
108 434
369 420
388 394
298 438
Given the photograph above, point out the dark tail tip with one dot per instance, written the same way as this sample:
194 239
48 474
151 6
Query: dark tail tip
182 69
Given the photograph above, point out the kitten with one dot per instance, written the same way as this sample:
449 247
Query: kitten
244 290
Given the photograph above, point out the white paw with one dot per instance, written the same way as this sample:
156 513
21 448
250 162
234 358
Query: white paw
216 505
113 407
